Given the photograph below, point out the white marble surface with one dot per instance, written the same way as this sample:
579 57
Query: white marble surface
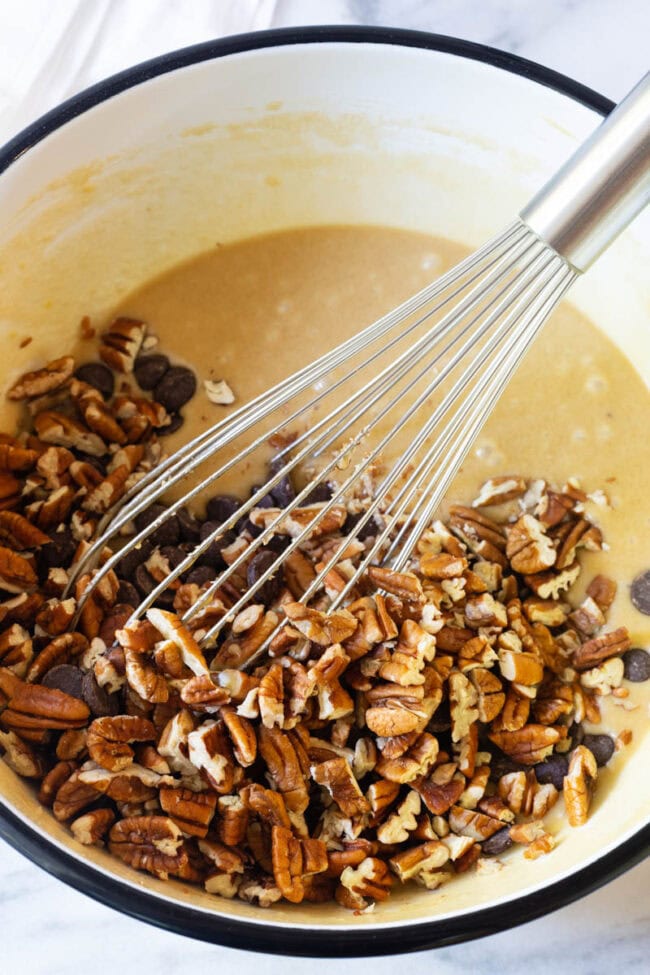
52 48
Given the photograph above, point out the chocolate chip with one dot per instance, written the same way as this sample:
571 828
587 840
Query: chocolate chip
144 580
600 746
319 493
636 663
576 734
278 543
497 843
201 574
502 764
177 386
188 526
98 375
166 534
640 592
127 593
177 422
212 555
149 370
117 617
369 530
129 563
257 566
100 702
66 678
59 552
221 507
552 769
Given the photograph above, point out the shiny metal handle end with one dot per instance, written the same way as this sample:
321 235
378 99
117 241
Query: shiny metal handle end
601 188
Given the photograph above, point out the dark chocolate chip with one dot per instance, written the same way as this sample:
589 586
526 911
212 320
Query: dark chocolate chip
115 620
188 526
640 592
98 375
212 555
100 702
149 370
600 746
278 543
144 580
201 574
283 493
66 678
221 507
129 563
576 734
59 552
166 534
127 593
497 843
257 566
369 530
177 422
552 769
319 493
177 386
636 663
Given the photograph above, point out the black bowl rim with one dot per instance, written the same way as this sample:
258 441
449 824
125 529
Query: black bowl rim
176 917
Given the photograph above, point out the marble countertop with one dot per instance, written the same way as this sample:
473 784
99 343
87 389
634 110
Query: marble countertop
49 52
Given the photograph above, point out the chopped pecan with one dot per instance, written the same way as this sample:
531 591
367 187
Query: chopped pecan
370 879
143 677
528 547
34 707
603 591
469 822
232 820
481 535
209 751
282 760
498 490
463 699
16 649
242 736
311 516
121 343
72 796
549 585
337 777
192 811
62 431
491 697
529 745
579 784
91 828
19 533
442 566
45 380
109 740
151 843
396 828
53 781
414 762
20 756
601 648
405 585
319 627
16 573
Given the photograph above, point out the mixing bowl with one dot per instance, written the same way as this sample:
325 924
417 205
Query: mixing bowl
257 133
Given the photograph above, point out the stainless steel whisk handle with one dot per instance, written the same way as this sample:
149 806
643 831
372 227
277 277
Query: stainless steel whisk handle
601 188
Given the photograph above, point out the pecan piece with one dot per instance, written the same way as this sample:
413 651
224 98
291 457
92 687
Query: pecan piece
442 566
405 585
498 490
371 879
579 784
489 688
109 740
19 533
323 629
20 757
423 859
282 760
152 843
528 547
122 343
16 573
91 828
192 811
601 648
58 651
337 777
529 745
34 707
45 380
72 796
16 649
63 431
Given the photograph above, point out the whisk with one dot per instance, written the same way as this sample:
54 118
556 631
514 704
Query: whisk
461 337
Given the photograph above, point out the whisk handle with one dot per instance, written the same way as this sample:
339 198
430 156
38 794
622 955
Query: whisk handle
601 188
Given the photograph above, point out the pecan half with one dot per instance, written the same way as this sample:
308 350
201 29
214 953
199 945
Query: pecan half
151 843
192 811
34 707
528 547
122 343
529 745
45 380
601 648
91 828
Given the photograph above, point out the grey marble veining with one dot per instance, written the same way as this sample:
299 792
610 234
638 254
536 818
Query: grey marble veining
50 929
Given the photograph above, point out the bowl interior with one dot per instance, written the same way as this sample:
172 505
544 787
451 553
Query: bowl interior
262 140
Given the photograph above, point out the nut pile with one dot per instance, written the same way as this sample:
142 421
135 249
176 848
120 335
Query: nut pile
412 735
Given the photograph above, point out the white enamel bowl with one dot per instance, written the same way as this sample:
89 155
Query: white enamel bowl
254 134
